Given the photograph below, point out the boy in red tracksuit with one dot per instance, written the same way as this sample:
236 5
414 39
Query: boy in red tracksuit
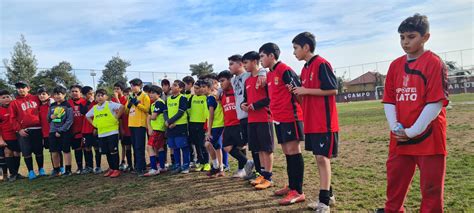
125 136
90 135
77 102
24 116
415 100
8 140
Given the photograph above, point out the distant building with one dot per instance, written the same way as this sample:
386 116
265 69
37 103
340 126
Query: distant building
365 82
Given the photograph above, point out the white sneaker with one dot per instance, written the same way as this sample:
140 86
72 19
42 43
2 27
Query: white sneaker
239 173
152 172
249 166
322 208
332 201
314 205
185 171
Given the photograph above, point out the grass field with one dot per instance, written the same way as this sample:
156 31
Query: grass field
358 179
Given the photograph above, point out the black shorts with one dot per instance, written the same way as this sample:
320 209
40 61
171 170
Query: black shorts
292 131
261 137
197 134
76 143
13 146
232 136
33 143
126 140
109 144
61 144
324 144
244 128
91 140
46 143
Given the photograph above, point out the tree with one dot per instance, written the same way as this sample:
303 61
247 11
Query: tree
22 65
201 69
114 71
58 75
340 85
4 85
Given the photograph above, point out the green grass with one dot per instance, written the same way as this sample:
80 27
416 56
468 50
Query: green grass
358 176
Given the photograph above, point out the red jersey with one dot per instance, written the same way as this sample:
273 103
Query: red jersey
6 129
283 104
410 86
44 108
87 127
228 104
77 123
259 99
24 112
319 112
124 119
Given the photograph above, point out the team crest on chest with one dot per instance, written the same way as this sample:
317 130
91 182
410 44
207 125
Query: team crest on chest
227 99
276 80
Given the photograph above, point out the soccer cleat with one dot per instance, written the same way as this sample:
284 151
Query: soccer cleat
257 180
185 171
12 178
227 168
98 170
78 172
251 176
292 197
55 174
41 172
248 167
177 170
163 170
332 201
140 173
206 167
31 175
128 168
314 205
19 176
239 174
265 184
152 172
198 167
87 170
62 170
108 172
122 166
282 192
213 173
114 173
66 174
322 208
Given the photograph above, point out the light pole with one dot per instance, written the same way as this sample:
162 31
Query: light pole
93 74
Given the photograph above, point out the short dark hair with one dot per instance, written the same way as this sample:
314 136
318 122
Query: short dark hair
41 90
212 76
225 74
86 89
101 91
188 80
146 88
305 38
252 55
270 48
120 85
59 90
165 82
180 83
75 86
416 23
4 92
236 58
136 82
156 89
206 83
127 90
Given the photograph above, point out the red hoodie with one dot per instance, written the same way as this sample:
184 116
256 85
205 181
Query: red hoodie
44 108
5 125
24 112
87 127
124 125
78 117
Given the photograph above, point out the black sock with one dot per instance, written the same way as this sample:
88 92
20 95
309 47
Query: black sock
330 191
88 158
78 156
29 163
244 151
298 170
290 172
3 164
61 161
16 161
57 170
98 157
115 161
237 154
172 158
324 196
109 160
11 165
68 168
39 161
256 161
128 153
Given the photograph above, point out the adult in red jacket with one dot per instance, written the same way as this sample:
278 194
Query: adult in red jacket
25 120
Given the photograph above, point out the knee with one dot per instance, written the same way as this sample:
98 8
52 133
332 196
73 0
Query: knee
321 160
228 149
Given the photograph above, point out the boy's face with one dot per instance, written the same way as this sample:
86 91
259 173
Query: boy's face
188 86
118 90
136 88
90 95
215 84
127 93
59 97
225 84
197 90
43 96
23 91
300 52
153 96
5 99
235 66
75 93
175 89
166 88
250 65
100 98
266 60
205 90
412 42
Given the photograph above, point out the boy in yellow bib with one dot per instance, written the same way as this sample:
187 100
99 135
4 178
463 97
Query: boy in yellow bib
156 131
105 117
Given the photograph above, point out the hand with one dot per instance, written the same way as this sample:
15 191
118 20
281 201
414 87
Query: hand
54 116
300 91
91 99
244 107
167 124
401 136
150 132
94 132
58 135
172 126
208 136
251 107
116 96
3 143
23 133
261 80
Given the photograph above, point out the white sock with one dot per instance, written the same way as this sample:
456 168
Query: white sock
215 164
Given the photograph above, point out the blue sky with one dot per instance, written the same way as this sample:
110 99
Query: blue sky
167 36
